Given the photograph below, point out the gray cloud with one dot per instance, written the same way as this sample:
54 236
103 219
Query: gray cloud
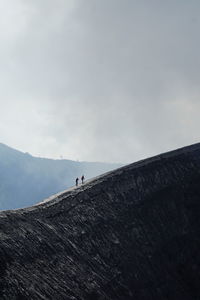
105 80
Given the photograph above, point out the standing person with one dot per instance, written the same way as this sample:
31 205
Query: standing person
77 179
82 178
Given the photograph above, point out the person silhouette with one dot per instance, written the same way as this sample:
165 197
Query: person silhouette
77 179
82 178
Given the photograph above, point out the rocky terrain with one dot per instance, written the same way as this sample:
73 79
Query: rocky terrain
133 233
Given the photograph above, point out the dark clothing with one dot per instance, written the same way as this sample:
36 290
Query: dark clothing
77 181
82 179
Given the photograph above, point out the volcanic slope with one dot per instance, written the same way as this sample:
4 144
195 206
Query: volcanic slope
133 233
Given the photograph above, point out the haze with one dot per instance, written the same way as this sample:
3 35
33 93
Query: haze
106 80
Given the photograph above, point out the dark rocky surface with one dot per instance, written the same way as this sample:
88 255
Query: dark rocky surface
133 233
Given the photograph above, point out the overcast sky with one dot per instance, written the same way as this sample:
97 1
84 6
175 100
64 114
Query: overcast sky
99 80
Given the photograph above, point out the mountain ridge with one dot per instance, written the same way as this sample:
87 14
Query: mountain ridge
130 234
22 174
133 165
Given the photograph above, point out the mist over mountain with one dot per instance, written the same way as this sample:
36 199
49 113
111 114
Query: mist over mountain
26 180
131 234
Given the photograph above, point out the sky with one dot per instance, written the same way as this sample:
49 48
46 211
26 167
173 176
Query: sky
90 80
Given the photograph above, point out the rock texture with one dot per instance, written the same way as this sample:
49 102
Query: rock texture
133 233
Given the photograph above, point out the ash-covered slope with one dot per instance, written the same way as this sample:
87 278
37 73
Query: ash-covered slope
133 233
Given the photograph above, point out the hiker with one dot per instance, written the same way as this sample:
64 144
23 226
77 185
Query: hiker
82 178
77 179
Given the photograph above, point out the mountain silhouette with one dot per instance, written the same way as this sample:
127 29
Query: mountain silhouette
25 180
133 233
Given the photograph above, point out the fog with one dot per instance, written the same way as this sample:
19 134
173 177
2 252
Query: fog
107 80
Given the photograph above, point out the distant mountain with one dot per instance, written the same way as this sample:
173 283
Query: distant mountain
26 180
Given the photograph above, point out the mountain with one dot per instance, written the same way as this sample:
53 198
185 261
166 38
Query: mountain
133 233
26 180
